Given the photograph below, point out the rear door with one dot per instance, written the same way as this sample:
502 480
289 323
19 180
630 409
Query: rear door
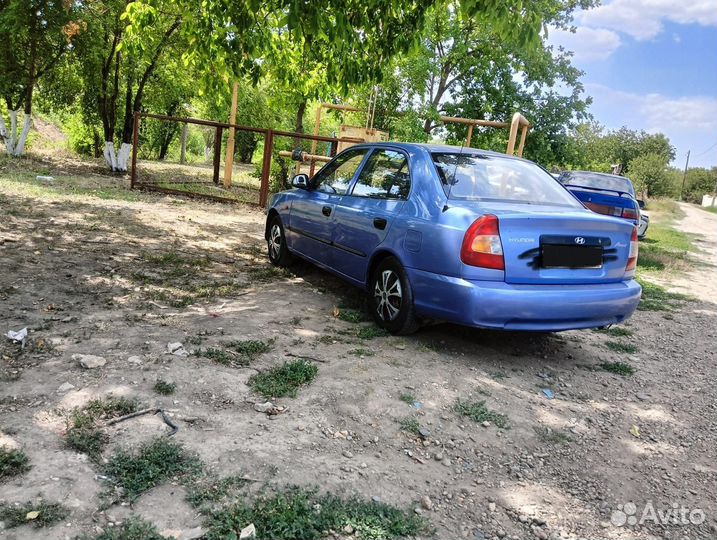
364 216
312 217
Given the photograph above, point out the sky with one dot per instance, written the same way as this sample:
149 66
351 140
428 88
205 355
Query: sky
652 65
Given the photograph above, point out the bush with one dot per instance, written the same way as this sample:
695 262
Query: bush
649 172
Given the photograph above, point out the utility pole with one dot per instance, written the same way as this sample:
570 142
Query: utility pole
684 174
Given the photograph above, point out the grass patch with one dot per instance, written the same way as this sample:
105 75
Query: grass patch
264 274
478 412
36 514
214 490
710 209
666 248
618 368
361 352
149 465
407 398
657 298
410 425
237 353
303 513
284 380
164 388
370 332
84 434
251 348
351 315
620 347
13 463
552 436
132 529
615 331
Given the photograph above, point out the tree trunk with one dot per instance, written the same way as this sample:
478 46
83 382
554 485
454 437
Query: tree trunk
14 144
300 121
183 149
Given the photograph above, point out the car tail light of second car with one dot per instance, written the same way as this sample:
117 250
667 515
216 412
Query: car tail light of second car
481 244
630 213
632 257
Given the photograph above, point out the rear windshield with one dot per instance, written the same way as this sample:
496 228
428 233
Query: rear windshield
493 178
598 181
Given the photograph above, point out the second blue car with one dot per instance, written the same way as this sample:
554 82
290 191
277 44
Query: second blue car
460 235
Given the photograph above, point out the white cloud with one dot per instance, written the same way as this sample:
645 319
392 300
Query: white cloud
587 44
643 19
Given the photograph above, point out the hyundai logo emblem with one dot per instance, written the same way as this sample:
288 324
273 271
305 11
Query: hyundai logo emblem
579 240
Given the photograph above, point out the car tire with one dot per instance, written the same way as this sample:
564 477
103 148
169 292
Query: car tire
391 298
279 253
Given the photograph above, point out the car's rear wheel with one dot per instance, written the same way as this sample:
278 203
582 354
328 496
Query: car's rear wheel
392 298
279 253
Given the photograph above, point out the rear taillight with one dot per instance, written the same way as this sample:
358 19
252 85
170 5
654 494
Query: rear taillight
632 257
481 244
630 213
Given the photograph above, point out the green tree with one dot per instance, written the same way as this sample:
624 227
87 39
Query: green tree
38 34
699 182
650 175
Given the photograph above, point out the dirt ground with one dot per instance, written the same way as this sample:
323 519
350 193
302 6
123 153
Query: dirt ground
123 278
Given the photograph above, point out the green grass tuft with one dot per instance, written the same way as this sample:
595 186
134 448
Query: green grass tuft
13 463
478 412
48 514
552 436
619 368
84 434
370 332
302 513
407 398
150 465
657 298
133 528
251 348
352 315
620 347
237 353
111 407
361 352
284 380
213 490
410 425
164 388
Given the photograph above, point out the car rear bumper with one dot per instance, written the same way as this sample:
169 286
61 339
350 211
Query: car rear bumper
546 308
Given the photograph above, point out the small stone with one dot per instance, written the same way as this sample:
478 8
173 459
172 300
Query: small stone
263 407
248 532
65 387
348 529
376 499
438 456
89 361
418 511
424 433
491 507
486 424
642 397
426 502
136 360
347 454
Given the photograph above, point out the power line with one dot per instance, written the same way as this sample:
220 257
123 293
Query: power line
704 152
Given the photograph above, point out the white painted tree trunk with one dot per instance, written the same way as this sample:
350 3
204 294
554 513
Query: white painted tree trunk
14 145
20 146
117 161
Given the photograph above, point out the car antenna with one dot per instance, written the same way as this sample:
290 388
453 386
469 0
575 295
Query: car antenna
453 178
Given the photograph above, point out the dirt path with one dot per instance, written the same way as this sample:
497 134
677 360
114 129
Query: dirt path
122 279
700 282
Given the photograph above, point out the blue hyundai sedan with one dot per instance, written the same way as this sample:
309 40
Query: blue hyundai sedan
460 235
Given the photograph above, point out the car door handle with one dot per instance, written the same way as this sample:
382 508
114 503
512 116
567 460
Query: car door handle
326 210
379 223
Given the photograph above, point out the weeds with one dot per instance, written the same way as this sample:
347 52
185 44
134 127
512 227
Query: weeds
36 514
84 434
303 513
150 465
616 331
407 398
656 298
361 352
111 407
252 348
552 436
284 380
370 332
410 425
164 388
478 412
13 463
237 353
351 315
621 347
618 368
213 490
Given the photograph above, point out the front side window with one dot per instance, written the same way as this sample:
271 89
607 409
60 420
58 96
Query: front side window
385 176
478 177
336 177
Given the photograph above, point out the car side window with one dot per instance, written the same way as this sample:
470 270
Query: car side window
385 176
336 177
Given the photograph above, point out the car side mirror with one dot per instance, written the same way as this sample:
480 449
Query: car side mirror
641 204
300 181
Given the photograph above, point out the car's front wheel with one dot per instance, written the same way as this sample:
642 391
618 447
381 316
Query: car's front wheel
279 253
392 298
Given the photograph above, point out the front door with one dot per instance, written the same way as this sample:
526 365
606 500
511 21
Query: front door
364 215
312 216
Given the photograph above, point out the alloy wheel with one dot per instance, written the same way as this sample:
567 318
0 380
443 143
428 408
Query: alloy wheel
388 294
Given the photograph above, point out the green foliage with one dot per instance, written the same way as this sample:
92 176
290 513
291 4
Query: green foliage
371 332
150 465
203 492
237 353
84 434
164 388
479 412
302 513
410 425
657 298
407 398
133 528
650 174
618 368
620 347
552 436
699 182
284 380
362 352
352 315
47 514
13 463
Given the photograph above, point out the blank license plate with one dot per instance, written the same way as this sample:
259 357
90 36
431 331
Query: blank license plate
568 256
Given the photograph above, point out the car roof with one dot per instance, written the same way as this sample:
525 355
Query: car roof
437 148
